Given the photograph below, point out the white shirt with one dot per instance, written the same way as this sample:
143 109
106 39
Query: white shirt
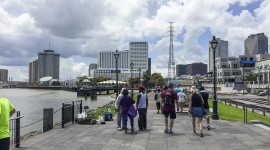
181 96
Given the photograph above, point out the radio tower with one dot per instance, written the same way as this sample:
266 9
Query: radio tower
171 63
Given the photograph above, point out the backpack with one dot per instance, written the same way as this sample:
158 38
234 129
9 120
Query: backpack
168 98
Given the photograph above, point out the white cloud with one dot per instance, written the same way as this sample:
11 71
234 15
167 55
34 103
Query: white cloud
83 28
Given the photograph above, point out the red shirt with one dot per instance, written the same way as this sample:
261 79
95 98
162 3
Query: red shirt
167 107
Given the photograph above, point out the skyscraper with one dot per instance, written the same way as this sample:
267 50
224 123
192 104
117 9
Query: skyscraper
33 72
181 69
48 64
221 51
91 67
256 44
3 75
196 68
138 54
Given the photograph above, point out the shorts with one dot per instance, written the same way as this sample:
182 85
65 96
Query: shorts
197 112
4 143
171 113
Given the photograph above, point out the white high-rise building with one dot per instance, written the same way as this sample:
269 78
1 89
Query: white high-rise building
138 54
221 51
33 72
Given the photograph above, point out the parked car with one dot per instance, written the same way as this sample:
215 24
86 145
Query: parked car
235 92
245 92
264 93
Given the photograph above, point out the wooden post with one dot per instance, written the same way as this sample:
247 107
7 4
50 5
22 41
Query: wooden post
47 119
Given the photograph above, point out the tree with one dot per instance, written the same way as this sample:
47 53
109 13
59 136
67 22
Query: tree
146 77
157 80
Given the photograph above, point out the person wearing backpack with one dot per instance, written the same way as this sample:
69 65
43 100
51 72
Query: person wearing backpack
157 99
141 105
169 98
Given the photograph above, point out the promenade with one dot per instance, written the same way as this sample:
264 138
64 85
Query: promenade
224 135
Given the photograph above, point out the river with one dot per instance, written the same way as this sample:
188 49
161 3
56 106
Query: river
31 102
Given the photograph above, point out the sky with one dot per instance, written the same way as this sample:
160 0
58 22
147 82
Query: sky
79 29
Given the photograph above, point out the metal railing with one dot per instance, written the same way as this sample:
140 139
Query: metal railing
246 107
69 110
14 128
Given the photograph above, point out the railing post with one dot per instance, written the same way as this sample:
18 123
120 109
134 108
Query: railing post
17 132
81 107
72 111
63 105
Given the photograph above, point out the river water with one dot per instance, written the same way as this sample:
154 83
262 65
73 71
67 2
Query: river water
31 102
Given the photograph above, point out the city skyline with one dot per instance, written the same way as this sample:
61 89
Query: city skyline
79 30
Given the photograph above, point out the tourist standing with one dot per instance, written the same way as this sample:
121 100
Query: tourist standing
169 98
196 108
157 99
6 111
205 97
181 97
119 116
125 103
141 106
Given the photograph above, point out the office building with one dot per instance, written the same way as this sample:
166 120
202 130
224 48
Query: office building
138 54
149 66
221 51
196 68
48 64
256 44
3 75
181 69
33 72
91 67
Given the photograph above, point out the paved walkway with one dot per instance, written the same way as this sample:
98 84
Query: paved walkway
223 135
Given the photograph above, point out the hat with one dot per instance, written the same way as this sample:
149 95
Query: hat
201 88
193 89
141 86
170 85
125 91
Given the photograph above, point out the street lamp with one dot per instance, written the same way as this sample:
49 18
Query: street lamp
116 56
131 69
139 75
214 44
243 72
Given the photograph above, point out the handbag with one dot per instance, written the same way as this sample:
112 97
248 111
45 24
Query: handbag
131 111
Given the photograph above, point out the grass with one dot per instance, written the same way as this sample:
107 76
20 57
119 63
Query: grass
232 113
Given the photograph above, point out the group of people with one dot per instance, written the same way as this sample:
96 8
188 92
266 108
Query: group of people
124 102
170 97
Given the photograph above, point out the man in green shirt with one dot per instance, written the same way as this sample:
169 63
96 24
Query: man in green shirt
157 99
6 111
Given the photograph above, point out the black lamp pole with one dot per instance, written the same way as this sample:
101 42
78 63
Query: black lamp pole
131 69
243 78
214 44
139 75
116 56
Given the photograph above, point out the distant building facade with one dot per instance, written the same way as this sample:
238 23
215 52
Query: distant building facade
33 72
256 44
91 67
221 51
149 66
3 75
138 54
48 64
196 68
181 69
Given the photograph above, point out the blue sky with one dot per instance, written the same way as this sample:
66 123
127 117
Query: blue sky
79 30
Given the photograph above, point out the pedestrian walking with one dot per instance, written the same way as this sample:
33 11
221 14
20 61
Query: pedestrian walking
6 111
181 97
119 116
141 106
125 103
196 109
205 97
169 98
157 99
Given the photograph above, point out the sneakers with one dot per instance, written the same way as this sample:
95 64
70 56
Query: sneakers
166 130
119 128
208 127
170 132
201 135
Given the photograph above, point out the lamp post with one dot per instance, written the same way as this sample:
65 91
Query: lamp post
116 56
214 44
131 70
139 75
243 78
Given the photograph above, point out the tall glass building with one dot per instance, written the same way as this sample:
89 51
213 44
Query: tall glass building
48 64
